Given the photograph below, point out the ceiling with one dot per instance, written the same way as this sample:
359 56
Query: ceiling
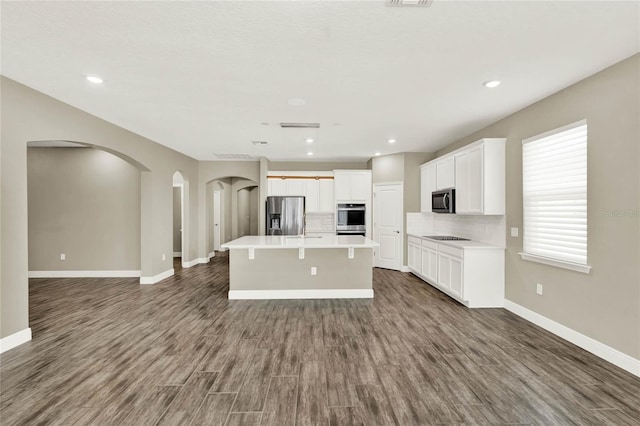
208 78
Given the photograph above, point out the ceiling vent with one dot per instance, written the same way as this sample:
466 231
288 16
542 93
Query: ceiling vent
422 3
239 157
300 125
259 142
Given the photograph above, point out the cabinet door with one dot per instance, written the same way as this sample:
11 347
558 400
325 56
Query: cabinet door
360 186
277 187
455 276
413 257
342 187
445 173
311 194
444 271
296 187
433 265
326 199
462 182
427 186
429 267
475 183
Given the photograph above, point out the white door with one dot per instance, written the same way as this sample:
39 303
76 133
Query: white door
217 209
387 225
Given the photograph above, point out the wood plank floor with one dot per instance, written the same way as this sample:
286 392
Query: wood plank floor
112 352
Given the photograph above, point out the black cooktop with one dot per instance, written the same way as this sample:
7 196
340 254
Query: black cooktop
445 238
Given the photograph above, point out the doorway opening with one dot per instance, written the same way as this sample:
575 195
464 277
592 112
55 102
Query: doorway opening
179 229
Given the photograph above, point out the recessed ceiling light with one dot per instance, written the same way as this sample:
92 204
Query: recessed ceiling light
392 141
95 79
309 153
296 102
309 140
491 84
377 154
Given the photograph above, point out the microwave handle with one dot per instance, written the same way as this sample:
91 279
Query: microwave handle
444 201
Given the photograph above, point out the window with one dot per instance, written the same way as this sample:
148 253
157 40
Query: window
554 189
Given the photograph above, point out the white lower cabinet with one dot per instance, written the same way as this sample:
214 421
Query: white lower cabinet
429 268
414 251
473 276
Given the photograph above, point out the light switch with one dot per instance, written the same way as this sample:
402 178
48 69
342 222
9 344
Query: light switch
514 232
63 256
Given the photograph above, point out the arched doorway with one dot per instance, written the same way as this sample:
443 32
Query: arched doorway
84 216
232 210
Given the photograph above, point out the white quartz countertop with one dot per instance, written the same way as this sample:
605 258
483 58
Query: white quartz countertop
311 242
459 244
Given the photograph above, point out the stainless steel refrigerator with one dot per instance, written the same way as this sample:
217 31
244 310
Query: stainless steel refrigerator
285 215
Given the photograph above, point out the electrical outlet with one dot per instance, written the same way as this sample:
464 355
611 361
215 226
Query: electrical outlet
539 289
63 256
164 256
514 232
314 270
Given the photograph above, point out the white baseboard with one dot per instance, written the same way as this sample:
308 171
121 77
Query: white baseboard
83 274
161 276
405 268
177 254
15 339
223 249
302 294
211 255
195 262
614 356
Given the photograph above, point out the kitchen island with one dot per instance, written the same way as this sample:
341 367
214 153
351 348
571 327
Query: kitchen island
293 267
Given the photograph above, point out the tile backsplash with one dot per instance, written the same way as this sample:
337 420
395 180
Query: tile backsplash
486 229
320 222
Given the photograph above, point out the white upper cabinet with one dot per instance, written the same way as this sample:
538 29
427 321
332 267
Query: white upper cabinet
445 173
277 187
326 200
427 185
352 185
316 187
480 178
312 195
478 171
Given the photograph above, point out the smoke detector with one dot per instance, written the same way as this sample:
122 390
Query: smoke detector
422 3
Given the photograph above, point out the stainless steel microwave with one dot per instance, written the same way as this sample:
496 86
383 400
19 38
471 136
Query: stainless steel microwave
443 201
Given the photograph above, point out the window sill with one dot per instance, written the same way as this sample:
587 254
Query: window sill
585 269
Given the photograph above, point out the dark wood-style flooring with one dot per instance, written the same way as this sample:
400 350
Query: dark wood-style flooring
112 352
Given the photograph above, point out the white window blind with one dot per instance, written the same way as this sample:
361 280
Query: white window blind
554 179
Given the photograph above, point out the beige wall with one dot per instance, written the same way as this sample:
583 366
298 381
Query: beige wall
387 168
84 203
605 304
28 115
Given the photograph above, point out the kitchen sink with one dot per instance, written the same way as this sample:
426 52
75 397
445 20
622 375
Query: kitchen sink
445 238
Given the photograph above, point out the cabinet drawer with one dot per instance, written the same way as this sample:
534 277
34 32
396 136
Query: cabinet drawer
414 240
430 244
451 251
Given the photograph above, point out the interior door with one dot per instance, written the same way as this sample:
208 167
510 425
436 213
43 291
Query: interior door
217 209
387 225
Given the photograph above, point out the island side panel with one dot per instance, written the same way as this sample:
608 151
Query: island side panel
281 269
